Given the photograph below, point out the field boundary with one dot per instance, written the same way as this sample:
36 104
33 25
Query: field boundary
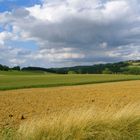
65 84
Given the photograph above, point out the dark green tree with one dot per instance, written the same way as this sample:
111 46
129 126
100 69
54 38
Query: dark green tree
16 68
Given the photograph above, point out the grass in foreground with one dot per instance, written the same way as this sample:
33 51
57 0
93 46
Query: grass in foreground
28 80
83 124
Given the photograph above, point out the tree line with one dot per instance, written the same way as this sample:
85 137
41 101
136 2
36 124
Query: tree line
125 67
6 68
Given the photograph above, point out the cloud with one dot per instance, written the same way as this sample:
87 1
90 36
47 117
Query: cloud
73 32
4 36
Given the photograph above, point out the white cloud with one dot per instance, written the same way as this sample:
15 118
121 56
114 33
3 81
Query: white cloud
116 9
57 11
4 36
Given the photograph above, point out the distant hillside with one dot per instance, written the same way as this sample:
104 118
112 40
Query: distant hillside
124 67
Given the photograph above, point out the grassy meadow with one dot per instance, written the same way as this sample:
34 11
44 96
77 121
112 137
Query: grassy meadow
67 109
18 80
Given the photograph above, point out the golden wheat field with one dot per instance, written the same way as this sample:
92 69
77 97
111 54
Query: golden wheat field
17 106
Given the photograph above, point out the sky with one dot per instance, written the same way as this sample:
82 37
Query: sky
58 33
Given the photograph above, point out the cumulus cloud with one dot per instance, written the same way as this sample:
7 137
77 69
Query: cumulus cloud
73 32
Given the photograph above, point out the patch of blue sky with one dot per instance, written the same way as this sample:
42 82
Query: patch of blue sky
8 5
7 27
27 45
1 29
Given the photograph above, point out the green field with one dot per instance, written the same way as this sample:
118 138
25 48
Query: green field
17 80
12 72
